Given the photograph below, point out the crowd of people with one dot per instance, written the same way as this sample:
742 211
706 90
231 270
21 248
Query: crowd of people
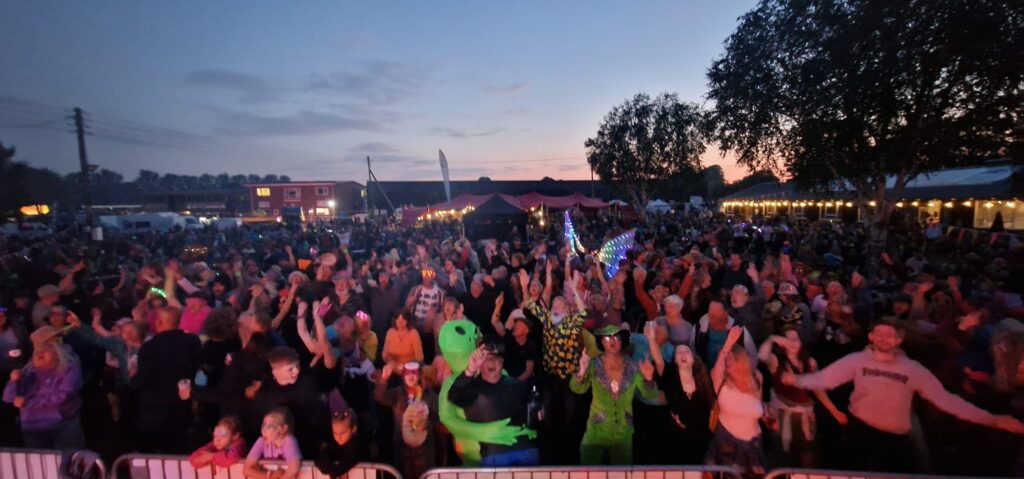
756 344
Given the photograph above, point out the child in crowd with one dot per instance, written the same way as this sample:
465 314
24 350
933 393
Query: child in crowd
347 447
226 448
276 442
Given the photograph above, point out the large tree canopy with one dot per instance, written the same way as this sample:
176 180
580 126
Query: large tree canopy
645 141
864 89
858 91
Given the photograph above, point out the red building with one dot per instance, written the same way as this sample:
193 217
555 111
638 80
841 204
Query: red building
318 199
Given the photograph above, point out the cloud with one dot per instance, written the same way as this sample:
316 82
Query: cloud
305 122
253 88
374 147
374 82
405 161
570 167
461 134
517 112
471 173
508 89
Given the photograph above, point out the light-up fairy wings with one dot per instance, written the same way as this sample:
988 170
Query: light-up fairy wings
571 238
611 253
614 251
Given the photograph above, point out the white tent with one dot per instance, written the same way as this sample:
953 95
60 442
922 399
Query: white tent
658 206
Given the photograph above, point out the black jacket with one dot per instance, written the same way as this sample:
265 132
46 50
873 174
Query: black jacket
164 360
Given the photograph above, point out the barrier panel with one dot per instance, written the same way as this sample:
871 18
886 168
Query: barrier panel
36 464
828 474
583 472
148 466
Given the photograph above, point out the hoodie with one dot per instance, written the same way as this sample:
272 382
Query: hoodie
883 392
51 395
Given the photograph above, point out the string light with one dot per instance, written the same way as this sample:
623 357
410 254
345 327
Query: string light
967 203
914 203
948 204
989 204
899 204
452 213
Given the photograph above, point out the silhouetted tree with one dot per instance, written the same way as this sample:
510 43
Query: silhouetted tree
644 141
863 92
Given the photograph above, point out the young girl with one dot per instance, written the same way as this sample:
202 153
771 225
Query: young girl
226 448
276 442
415 412
347 448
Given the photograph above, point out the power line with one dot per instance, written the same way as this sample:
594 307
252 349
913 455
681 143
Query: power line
150 131
44 125
538 160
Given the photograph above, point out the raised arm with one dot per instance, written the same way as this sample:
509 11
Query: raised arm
648 303
287 306
524 284
67 283
549 283
687 284
170 283
291 255
303 329
650 332
330 360
718 371
499 327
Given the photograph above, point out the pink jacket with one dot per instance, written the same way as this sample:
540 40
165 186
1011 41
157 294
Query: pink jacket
223 458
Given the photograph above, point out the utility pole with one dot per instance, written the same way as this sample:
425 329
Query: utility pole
84 164
369 177
592 195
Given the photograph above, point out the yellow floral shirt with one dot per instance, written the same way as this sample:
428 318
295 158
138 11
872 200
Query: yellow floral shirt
563 342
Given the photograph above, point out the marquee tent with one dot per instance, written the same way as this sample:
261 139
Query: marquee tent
465 203
497 217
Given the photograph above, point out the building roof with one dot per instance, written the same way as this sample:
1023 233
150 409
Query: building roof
429 192
298 183
986 181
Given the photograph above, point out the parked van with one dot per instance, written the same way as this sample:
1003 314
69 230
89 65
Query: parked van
156 222
27 230
225 224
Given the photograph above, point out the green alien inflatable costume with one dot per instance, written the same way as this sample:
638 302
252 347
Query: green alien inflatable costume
457 340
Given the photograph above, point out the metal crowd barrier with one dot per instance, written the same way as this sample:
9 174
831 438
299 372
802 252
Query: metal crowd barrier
149 466
36 464
828 474
584 472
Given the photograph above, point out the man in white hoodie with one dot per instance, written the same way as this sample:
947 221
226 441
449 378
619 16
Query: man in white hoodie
884 384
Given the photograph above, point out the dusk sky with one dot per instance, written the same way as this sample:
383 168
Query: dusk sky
509 90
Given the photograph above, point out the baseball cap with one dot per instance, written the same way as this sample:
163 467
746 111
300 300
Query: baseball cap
47 290
787 289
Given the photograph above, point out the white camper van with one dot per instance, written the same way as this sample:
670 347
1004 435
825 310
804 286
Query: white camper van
157 222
